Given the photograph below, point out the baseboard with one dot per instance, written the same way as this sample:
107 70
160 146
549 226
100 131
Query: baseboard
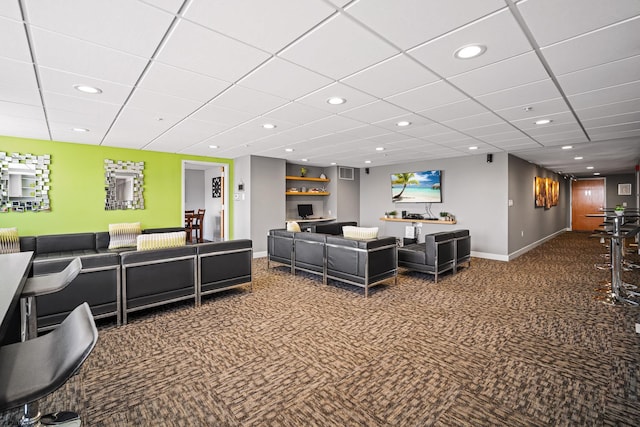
262 254
527 248
488 255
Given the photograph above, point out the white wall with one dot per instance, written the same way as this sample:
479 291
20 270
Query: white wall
475 191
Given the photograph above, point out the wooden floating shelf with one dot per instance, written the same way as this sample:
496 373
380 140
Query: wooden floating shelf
307 193
304 178
427 221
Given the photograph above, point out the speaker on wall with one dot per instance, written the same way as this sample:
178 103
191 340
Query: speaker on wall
366 170
489 158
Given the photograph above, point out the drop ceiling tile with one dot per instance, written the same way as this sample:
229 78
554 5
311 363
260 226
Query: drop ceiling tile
135 128
609 95
354 97
181 83
346 48
470 122
10 9
97 118
616 135
79 57
490 31
248 100
382 80
510 73
384 139
124 25
333 139
267 25
413 119
161 104
203 51
55 81
374 112
412 22
602 46
611 74
172 6
216 114
64 132
366 131
296 112
465 108
426 130
557 119
544 108
340 3
632 105
562 138
616 128
612 120
285 79
504 137
22 111
481 131
552 129
427 96
551 21
520 96
329 125
447 137
18 82
26 128
515 144
185 134
18 48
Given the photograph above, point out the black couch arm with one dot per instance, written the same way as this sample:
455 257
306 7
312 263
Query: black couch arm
224 265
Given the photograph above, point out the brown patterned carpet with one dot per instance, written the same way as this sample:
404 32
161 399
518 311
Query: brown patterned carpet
521 343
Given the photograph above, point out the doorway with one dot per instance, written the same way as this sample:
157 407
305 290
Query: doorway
587 197
204 187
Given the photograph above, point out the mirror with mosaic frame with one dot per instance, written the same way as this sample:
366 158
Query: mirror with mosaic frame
24 182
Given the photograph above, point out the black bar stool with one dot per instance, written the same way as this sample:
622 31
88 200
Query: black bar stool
42 285
32 369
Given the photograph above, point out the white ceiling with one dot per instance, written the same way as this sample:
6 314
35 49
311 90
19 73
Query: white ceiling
180 76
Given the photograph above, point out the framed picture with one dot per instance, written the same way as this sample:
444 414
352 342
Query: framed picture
624 189
216 187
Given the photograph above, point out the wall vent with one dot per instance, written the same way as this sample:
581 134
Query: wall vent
345 173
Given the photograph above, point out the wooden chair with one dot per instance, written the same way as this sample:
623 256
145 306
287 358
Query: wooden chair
198 224
189 225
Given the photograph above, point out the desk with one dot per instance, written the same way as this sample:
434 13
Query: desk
14 269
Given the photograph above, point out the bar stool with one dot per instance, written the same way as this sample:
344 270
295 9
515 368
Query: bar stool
42 285
33 369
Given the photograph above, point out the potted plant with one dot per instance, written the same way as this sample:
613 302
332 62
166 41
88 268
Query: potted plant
393 214
303 172
619 210
444 216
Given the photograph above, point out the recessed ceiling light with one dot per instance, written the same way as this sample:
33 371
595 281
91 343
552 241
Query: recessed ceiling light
305 160
596 173
333 163
269 126
213 146
473 148
367 161
589 167
289 150
470 51
578 158
80 130
87 89
403 123
379 148
567 147
336 100
543 122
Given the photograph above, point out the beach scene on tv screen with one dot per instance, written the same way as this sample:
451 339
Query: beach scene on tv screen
416 187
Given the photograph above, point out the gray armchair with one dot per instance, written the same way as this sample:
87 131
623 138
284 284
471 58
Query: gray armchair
435 256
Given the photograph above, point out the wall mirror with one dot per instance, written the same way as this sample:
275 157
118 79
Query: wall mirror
123 184
24 182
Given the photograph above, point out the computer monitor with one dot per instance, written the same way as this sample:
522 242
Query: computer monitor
305 211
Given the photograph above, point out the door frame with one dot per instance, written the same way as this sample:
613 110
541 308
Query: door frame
604 183
223 169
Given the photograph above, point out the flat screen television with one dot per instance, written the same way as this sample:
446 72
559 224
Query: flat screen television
417 187
305 211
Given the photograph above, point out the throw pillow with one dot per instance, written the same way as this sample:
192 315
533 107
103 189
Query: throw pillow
151 241
123 235
361 233
9 240
293 226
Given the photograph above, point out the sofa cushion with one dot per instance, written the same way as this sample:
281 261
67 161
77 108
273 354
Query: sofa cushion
9 240
75 244
362 233
152 241
293 226
124 235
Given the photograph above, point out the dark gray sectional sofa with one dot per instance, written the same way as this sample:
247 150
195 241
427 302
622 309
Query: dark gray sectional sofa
116 282
363 263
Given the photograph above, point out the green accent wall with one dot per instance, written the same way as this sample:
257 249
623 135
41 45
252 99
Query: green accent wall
77 188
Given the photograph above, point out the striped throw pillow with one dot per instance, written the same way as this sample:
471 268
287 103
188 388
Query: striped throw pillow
123 235
361 233
9 240
147 242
